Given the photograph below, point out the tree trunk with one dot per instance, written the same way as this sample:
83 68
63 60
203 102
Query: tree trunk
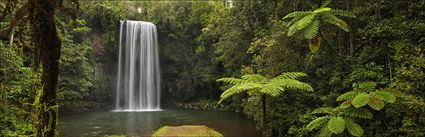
263 98
45 38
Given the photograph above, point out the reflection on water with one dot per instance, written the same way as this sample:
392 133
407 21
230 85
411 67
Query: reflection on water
145 123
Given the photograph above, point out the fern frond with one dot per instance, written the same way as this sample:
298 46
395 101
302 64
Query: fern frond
290 75
343 13
358 113
293 20
354 128
323 110
331 19
317 122
232 80
292 84
347 95
345 104
336 125
360 100
385 96
272 89
323 9
297 14
312 30
376 103
325 132
239 88
254 78
367 85
301 24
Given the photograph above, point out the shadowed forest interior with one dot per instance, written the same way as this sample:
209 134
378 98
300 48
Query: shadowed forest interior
232 67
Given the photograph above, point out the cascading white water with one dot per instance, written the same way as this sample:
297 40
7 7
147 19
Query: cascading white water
138 84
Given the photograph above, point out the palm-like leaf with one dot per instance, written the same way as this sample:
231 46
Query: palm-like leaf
260 84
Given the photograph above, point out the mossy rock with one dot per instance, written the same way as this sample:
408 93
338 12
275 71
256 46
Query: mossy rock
186 131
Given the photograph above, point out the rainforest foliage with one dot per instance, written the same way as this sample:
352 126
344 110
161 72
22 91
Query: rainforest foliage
363 60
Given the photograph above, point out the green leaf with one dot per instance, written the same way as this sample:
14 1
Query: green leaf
345 104
360 100
312 30
331 19
317 122
325 132
376 103
297 14
347 95
358 113
367 85
324 9
354 128
231 80
336 125
323 110
301 24
254 78
385 96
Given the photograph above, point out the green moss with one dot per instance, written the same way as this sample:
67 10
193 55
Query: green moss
186 130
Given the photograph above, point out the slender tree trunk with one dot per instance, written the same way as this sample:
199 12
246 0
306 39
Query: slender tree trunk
263 98
45 38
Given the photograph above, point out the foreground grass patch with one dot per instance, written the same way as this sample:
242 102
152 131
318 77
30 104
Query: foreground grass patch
186 130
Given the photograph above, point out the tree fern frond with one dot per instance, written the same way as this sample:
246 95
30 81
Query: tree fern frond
331 19
325 132
317 122
354 128
297 14
292 84
343 13
336 125
238 89
376 103
232 80
323 110
290 75
311 31
254 78
293 20
301 24
323 9
358 113
367 85
272 89
347 95
385 96
360 100
345 104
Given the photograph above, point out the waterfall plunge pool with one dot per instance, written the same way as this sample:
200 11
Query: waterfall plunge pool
135 124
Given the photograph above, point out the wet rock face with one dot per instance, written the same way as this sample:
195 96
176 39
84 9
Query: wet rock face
186 130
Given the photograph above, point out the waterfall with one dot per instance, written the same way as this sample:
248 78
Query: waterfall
138 82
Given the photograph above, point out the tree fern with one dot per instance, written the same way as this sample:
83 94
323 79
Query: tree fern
264 86
309 22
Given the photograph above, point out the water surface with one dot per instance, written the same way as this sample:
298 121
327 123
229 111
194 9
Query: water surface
99 124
